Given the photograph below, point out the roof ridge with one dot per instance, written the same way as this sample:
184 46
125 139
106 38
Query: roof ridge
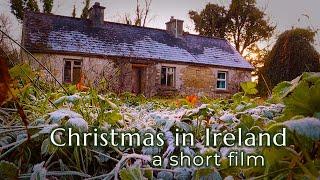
121 24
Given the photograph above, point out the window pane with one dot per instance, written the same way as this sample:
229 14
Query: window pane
77 63
168 76
170 80
76 74
221 84
221 75
163 76
170 70
67 71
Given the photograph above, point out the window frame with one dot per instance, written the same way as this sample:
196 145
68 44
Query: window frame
222 80
166 76
72 68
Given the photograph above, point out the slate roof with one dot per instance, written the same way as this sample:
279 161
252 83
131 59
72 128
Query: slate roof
53 33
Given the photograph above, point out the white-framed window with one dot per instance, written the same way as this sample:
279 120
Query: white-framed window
222 80
168 76
72 70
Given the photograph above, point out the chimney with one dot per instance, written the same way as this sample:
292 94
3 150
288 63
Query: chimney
96 15
175 27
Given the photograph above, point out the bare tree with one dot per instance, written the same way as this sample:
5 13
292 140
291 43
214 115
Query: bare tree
141 14
5 25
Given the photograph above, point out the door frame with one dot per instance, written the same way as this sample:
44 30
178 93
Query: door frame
142 69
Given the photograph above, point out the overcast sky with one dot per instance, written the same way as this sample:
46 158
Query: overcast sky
283 13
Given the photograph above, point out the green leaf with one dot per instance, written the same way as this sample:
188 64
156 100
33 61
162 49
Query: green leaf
112 105
131 174
246 122
148 174
8 170
45 146
22 71
274 155
304 100
280 91
113 117
249 87
308 127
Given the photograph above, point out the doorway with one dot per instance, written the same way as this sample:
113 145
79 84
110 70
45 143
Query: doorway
137 78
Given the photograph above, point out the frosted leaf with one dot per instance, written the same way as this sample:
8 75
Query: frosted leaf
69 99
225 150
228 117
21 136
255 117
47 129
57 115
188 151
5 140
101 158
229 178
39 172
186 127
164 175
170 143
209 174
265 111
309 127
203 106
240 107
169 124
79 123
201 147
216 127
182 173
151 150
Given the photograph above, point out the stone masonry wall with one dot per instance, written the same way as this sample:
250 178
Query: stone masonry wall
202 80
93 69
117 76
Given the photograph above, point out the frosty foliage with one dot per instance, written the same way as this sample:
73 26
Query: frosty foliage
309 127
129 113
79 123
58 115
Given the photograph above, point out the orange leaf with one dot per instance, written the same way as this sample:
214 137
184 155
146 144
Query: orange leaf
80 85
192 99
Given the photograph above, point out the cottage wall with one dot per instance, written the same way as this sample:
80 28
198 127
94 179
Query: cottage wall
116 75
94 69
202 80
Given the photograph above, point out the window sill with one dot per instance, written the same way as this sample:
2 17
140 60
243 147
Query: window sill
167 88
222 91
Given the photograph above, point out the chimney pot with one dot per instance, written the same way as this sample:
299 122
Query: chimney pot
175 27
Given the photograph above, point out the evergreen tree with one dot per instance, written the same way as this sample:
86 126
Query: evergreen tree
292 55
18 7
85 10
32 5
47 6
74 11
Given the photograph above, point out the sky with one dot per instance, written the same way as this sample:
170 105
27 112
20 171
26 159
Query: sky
285 14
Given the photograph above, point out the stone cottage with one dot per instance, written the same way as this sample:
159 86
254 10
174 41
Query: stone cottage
126 58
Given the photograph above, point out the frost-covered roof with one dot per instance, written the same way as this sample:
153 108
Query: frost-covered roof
53 33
